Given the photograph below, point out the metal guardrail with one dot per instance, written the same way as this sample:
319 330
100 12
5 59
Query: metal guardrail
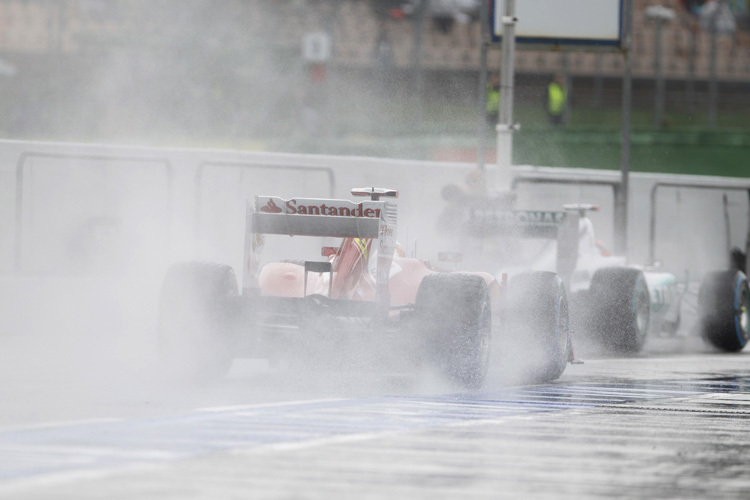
572 179
558 178
734 185
522 176
23 157
244 166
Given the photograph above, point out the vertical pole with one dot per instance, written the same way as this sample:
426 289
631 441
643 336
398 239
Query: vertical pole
691 71
659 73
598 81
713 96
18 233
621 201
482 130
417 57
652 227
727 227
505 120
565 62
330 83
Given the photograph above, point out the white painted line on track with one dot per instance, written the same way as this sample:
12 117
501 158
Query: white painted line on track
313 443
61 423
19 485
365 436
288 426
280 404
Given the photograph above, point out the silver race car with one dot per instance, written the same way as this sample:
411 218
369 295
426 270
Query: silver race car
613 304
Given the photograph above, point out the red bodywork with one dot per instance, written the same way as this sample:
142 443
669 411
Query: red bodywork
352 276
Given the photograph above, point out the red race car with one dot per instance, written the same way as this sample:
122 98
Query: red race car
359 304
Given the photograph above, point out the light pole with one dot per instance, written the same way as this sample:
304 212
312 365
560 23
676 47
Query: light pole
505 126
718 20
622 194
484 46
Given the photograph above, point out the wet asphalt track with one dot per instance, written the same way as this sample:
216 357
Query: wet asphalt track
663 425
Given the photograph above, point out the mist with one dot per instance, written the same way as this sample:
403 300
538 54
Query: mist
156 132
79 319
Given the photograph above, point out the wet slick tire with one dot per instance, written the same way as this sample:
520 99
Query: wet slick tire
724 305
454 323
538 331
194 321
621 309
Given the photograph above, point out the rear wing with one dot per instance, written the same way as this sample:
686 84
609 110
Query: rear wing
371 219
520 223
317 217
557 225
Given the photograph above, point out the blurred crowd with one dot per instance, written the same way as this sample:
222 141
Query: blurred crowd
80 69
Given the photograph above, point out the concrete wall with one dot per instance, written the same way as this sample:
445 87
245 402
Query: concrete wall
91 208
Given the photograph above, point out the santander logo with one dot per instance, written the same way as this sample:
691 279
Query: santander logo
336 208
270 208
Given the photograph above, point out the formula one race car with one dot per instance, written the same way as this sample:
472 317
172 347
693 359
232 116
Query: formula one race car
620 305
613 304
724 308
362 306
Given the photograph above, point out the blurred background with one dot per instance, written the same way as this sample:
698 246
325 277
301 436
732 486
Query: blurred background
384 78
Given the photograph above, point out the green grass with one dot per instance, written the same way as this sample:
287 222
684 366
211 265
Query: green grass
717 153
591 139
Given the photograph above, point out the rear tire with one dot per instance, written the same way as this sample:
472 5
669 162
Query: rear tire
621 308
195 319
454 320
539 326
724 300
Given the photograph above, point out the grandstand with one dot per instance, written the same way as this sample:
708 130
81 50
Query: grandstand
105 68
39 26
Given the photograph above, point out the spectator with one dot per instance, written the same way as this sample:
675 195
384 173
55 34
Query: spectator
557 100
493 99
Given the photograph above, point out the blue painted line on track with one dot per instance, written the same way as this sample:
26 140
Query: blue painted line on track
41 452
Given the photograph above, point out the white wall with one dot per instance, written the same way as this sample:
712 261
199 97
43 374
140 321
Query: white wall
123 206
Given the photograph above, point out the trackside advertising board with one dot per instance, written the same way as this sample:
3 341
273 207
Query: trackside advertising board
562 23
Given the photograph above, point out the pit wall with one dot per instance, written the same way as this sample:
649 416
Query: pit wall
77 208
